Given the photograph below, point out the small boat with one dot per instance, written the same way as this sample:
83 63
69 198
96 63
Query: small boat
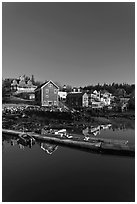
86 138
62 132
69 136
26 139
98 144
104 127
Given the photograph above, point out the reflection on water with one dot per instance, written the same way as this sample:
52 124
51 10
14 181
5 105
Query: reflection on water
69 175
119 131
116 131
112 131
97 130
47 147
29 174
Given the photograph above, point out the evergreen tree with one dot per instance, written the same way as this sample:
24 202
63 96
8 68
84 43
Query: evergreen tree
32 79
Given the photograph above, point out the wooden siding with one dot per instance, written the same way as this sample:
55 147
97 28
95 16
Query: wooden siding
49 95
77 100
74 102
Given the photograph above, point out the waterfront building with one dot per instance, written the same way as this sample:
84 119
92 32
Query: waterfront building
106 97
98 99
47 94
62 95
23 88
77 99
76 90
23 84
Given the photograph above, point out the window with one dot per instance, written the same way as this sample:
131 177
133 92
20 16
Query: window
47 90
50 102
55 91
85 99
50 85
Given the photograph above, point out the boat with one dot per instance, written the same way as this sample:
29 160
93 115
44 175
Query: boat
62 132
25 139
104 127
86 138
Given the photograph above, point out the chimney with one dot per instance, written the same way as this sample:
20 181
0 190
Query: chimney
78 89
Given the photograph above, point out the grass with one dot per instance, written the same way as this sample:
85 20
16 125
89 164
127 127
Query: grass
16 100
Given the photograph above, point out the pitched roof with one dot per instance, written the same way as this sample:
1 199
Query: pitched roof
45 83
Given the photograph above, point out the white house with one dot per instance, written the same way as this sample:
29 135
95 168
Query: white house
62 95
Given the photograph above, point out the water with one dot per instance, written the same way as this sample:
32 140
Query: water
62 174
117 132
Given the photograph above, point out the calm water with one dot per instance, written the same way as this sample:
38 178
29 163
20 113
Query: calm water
50 173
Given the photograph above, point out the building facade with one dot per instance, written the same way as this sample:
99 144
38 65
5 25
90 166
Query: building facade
22 85
47 94
62 95
77 99
99 99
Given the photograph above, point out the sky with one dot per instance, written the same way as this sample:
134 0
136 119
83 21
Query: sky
73 43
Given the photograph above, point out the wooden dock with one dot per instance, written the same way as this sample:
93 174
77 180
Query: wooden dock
97 145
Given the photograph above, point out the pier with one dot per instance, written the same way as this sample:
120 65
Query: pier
96 145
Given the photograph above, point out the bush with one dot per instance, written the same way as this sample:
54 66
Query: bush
131 104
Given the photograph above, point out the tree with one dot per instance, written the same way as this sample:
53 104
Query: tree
6 87
131 103
68 88
120 92
32 79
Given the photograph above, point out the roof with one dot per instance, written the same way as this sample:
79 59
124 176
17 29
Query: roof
78 94
104 91
45 83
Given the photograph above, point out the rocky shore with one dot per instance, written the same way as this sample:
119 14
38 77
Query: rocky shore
34 118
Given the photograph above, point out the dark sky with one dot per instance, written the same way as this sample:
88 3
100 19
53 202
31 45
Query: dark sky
72 43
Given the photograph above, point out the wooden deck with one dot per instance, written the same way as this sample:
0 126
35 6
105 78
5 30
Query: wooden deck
97 145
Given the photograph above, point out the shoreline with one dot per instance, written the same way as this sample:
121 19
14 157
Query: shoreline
95 145
27 114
